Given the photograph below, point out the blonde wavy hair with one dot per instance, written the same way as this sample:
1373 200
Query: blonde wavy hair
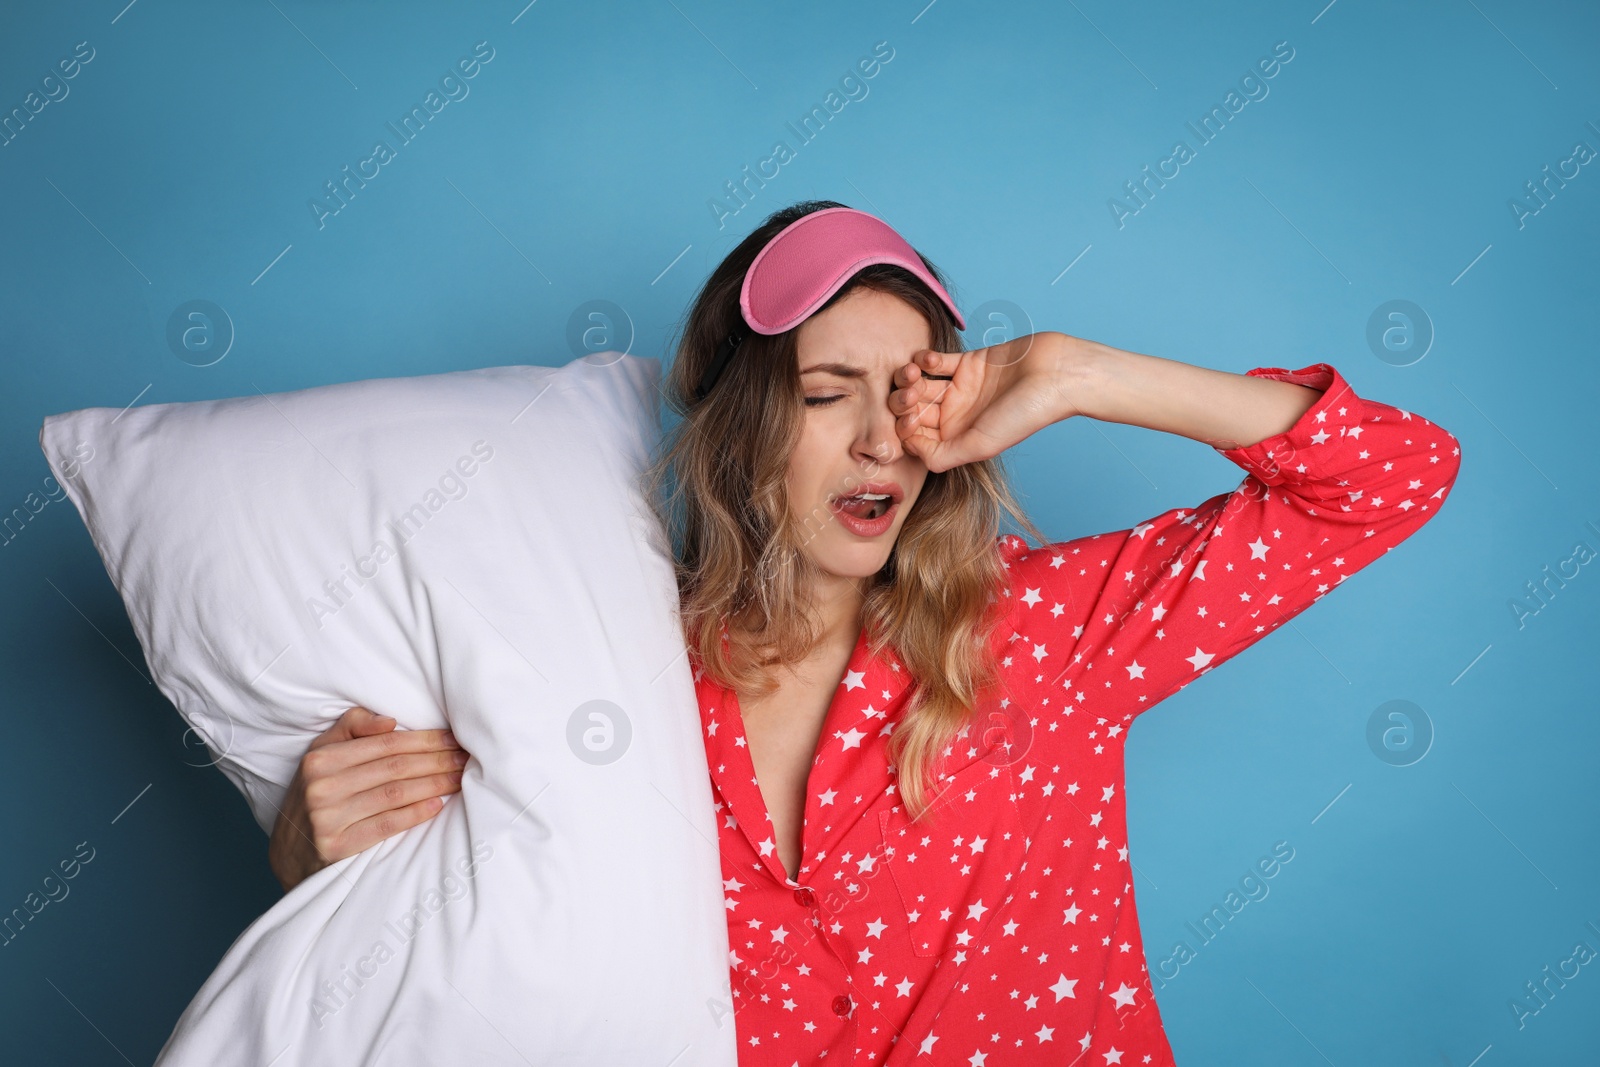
718 487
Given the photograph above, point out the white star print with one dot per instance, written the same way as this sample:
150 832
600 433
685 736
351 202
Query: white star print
1063 714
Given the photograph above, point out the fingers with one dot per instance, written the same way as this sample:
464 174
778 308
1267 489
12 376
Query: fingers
927 363
941 363
379 827
398 767
355 722
907 374
337 756
394 794
367 723
922 418
364 780
918 393
364 793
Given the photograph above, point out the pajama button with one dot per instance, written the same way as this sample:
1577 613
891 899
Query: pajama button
841 1005
804 897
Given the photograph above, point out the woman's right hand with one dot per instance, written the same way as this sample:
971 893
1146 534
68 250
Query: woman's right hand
361 781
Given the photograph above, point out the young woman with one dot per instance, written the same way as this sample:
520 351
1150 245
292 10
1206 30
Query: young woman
913 724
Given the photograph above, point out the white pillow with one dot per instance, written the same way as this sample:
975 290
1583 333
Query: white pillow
467 549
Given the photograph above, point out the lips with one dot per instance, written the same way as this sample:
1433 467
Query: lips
869 510
890 489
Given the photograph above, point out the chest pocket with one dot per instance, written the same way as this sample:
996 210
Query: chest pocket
955 867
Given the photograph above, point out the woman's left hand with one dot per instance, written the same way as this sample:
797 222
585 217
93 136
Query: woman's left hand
994 397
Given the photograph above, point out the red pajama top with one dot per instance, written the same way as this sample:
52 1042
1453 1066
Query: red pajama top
1002 930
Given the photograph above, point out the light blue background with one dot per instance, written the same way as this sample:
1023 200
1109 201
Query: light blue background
581 167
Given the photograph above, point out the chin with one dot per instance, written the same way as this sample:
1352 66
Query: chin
862 559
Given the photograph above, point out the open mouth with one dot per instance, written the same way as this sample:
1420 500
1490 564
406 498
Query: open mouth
869 511
865 505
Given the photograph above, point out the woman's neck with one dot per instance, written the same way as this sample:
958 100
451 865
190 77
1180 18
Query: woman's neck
839 603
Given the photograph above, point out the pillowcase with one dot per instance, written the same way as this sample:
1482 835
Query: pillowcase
469 550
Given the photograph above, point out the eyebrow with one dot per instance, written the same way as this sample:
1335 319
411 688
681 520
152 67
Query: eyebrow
842 370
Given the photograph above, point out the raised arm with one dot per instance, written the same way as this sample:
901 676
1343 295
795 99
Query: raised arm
957 407
1120 620
1217 408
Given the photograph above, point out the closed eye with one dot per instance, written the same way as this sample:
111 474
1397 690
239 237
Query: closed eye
822 401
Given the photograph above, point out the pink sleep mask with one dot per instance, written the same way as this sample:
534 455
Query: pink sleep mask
812 257
807 262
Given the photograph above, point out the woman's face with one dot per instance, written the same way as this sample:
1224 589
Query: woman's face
848 355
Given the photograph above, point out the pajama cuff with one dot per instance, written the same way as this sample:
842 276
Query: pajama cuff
1270 460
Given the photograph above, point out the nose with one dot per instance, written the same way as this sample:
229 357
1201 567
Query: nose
877 440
